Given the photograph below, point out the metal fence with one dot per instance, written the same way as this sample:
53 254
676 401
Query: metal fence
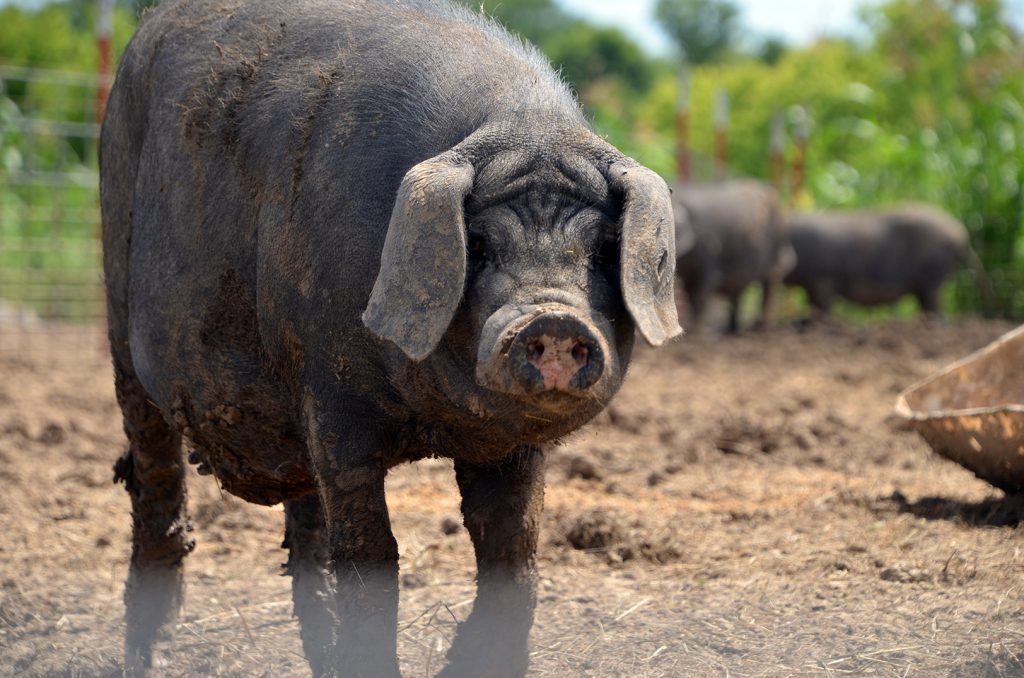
50 280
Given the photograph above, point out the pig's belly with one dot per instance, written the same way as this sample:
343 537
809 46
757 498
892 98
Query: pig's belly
237 417
252 444
875 294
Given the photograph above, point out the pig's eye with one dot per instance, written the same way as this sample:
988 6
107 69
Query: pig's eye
475 245
608 252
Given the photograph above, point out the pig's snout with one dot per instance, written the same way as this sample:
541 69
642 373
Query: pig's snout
555 352
534 349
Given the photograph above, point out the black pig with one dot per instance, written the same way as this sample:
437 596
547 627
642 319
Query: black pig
339 236
738 238
876 257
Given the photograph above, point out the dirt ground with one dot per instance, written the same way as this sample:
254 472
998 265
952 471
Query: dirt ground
744 508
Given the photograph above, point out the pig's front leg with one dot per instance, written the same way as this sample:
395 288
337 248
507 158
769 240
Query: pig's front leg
501 507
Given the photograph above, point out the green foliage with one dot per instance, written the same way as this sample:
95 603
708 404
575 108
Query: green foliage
43 38
538 21
702 30
771 50
583 53
59 35
588 54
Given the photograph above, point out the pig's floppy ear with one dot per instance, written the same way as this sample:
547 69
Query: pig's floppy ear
648 251
423 264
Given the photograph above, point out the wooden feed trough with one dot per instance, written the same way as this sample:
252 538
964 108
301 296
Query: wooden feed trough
973 411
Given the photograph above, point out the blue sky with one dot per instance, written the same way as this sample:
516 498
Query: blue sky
799 21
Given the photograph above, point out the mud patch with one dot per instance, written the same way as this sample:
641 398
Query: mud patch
616 538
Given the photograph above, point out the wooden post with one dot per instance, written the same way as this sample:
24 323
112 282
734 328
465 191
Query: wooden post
104 29
777 147
683 125
801 134
104 64
721 135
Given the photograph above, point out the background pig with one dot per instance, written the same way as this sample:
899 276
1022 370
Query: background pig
739 238
876 257
341 236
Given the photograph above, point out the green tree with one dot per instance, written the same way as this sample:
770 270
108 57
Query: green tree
538 21
57 35
587 54
702 30
47 37
771 49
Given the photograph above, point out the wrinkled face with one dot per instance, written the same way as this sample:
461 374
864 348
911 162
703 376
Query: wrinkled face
543 298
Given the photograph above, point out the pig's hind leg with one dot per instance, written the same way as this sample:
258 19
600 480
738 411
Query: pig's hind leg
153 472
345 448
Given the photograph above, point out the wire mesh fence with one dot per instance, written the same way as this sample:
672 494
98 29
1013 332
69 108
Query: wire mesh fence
50 280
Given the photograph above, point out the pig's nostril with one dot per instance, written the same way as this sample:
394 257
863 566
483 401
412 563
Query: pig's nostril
534 350
581 353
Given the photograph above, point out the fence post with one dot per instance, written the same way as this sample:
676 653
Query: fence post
721 135
801 134
104 64
104 28
777 147
683 125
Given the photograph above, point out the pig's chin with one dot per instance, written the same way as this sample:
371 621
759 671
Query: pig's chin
549 408
540 417
558 402
541 406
